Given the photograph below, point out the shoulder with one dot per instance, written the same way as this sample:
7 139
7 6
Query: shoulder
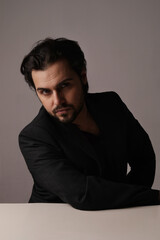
39 126
110 100
110 96
109 104
41 116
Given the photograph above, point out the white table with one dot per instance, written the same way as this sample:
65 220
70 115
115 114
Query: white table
62 222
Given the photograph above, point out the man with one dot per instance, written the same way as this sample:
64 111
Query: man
78 147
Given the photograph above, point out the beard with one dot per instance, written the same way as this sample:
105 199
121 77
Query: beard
71 113
69 116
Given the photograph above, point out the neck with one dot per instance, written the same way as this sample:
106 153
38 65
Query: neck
85 122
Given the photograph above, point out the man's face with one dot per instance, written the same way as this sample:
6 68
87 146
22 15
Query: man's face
60 90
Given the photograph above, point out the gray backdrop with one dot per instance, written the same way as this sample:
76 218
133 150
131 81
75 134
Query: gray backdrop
121 41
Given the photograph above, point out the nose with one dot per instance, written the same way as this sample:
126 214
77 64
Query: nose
58 98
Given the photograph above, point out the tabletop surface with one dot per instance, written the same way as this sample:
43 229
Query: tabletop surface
62 222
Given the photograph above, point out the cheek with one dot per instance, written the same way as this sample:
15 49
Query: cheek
73 96
77 96
47 103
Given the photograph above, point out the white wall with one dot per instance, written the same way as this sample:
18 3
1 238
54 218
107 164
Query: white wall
121 41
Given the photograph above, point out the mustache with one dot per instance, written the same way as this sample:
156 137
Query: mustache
64 105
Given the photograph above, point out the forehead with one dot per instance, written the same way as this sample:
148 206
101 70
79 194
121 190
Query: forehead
53 74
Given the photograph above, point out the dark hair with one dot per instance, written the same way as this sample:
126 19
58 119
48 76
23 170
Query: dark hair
50 50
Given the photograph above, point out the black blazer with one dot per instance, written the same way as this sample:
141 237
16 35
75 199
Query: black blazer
66 168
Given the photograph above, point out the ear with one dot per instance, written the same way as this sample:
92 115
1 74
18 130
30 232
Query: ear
84 77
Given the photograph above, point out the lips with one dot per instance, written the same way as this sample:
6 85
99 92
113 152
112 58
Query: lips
62 110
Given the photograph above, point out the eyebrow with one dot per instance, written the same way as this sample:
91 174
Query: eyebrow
42 89
57 86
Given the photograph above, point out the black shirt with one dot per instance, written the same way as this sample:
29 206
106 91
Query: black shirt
99 145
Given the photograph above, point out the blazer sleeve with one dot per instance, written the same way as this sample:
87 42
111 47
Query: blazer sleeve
140 153
57 175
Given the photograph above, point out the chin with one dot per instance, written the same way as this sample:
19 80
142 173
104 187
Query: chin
64 118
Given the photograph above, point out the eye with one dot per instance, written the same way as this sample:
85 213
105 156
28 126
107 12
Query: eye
66 84
45 92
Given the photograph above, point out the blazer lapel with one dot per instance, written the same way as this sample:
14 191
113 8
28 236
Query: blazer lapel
107 124
70 137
